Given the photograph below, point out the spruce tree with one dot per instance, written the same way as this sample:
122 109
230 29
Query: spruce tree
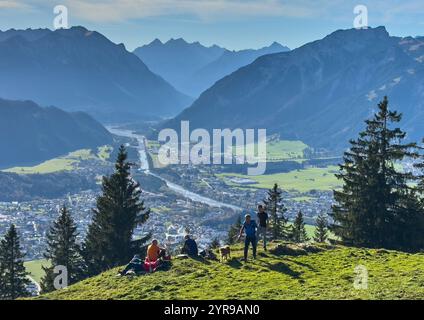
118 212
298 230
276 211
234 231
13 276
62 250
321 231
371 207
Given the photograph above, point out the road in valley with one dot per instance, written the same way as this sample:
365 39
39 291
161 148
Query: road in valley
144 166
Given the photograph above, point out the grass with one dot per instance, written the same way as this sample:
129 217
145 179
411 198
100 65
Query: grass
156 163
289 272
305 180
279 150
64 163
104 152
35 269
310 230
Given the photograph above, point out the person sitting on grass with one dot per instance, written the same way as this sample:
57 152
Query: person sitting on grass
250 228
135 265
154 252
190 247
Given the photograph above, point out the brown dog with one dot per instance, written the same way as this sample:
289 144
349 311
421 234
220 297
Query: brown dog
225 253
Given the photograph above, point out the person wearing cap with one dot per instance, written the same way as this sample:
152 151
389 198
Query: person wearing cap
190 247
249 228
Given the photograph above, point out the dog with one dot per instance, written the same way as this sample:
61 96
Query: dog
225 253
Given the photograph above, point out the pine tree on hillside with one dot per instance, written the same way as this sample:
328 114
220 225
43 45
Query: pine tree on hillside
62 250
13 275
370 208
276 211
118 212
298 230
321 231
234 231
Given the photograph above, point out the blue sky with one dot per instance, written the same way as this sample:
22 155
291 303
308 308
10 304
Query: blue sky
234 24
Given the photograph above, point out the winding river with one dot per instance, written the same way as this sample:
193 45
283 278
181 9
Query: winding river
144 166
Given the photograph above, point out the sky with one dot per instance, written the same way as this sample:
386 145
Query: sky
233 24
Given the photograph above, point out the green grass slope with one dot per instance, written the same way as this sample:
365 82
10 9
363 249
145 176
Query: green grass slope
287 272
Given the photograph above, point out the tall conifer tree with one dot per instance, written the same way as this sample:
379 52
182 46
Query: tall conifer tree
372 208
118 212
63 250
321 231
276 210
13 276
298 230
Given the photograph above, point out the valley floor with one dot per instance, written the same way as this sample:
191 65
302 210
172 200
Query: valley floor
287 272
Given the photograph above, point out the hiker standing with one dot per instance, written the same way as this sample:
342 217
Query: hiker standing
249 227
263 224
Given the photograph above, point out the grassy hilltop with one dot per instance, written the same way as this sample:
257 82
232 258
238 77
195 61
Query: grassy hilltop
286 272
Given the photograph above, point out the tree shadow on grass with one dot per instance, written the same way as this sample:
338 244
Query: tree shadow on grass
284 268
263 254
202 260
303 265
234 263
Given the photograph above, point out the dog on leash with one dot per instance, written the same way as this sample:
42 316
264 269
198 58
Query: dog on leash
225 253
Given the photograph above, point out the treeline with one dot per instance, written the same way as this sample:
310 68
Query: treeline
108 243
380 205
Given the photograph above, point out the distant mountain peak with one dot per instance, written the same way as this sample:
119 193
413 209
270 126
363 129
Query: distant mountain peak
105 79
378 32
177 41
155 42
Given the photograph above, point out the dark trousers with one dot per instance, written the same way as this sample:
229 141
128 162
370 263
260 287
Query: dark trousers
247 242
136 267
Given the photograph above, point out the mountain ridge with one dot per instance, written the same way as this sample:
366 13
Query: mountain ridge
319 93
80 69
193 67
31 134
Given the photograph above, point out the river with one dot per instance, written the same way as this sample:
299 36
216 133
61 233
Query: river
144 166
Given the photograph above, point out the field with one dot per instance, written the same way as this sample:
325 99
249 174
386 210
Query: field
65 163
280 150
287 272
35 270
304 180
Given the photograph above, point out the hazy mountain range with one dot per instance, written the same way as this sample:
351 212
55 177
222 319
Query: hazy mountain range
78 69
31 134
321 92
192 67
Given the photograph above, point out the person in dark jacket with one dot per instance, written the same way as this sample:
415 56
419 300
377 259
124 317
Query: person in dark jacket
136 265
190 247
263 224
249 228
